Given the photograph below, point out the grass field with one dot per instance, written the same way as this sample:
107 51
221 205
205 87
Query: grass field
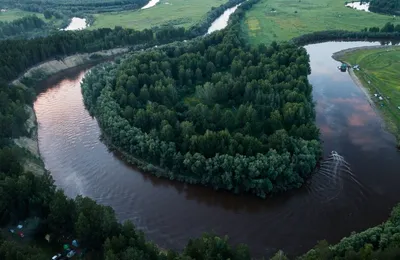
278 20
380 73
14 14
175 12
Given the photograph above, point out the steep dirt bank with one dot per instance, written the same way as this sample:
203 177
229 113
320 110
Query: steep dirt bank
32 160
51 67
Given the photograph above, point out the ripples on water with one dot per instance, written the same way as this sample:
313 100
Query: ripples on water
354 187
332 174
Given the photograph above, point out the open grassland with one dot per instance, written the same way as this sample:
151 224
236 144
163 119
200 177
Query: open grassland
14 14
277 20
174 12
380 73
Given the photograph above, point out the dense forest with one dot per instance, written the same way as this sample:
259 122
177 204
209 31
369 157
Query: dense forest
385 6
389 32
26 27
213 112
25 196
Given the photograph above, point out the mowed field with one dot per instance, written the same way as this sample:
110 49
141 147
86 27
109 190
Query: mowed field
174 12
380 73
14 14
277 20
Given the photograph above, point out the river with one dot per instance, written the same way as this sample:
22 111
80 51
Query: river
150 4
350 193
76 24
222 21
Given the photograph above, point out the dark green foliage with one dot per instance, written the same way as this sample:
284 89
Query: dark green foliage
380 242
18 55
388 32
385 6
213 112
24 195
12 251
47 14
216 248
25 26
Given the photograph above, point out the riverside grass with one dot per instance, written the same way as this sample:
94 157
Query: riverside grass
281 20
183 13
380 73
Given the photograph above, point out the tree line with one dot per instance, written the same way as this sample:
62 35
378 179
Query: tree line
385 6
387 33
212 112
380 242
25 195
24 27
75 7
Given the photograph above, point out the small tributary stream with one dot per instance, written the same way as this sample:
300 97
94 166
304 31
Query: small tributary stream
355 189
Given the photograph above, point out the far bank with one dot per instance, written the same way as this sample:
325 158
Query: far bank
375 69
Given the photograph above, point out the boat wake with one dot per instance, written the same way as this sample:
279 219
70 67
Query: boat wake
333 175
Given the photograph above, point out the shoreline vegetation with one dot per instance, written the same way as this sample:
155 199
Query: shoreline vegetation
214 136
43 70
25 195
375 78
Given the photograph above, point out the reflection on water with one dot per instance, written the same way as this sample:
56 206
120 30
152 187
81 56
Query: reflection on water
222 21
76 24
150 4
354 189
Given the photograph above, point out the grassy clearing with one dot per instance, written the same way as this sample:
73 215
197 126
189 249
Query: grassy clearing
278 20
14 14
174 12
380 73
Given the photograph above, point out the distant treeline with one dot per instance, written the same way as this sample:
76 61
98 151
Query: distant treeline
23 27
388 32
74 7
385 6
18 55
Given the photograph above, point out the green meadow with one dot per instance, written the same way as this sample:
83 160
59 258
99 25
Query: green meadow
277 20
174 12
380 73
14 14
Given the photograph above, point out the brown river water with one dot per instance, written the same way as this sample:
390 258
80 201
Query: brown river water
355 188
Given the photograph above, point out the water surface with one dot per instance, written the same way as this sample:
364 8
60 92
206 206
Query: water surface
355 188
150 4
76 24
222 21
359 6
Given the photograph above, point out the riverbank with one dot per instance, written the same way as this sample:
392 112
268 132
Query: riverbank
48 68
283 20
32 160
377 77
